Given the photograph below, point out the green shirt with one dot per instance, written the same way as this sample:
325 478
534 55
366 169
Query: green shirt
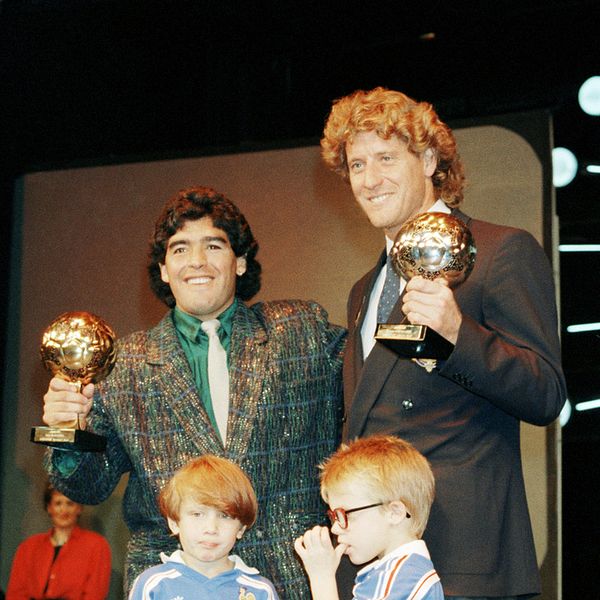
195 346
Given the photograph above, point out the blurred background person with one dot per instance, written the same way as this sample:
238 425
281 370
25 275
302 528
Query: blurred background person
65 563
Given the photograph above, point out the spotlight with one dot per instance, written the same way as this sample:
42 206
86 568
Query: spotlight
588 405
564 167
589 96
565 413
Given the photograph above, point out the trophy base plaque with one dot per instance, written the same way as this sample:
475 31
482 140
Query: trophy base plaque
67 438
413 341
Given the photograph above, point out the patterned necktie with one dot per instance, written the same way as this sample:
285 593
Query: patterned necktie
390 293
218 376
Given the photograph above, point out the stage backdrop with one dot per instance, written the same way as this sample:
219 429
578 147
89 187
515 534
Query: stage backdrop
81 241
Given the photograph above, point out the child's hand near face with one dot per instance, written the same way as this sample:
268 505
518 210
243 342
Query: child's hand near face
320 560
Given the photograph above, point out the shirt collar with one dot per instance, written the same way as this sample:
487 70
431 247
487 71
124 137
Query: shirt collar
191 327
238 563
412 547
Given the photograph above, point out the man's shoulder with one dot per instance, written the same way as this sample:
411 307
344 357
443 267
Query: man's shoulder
293 319
138 339
274 312
494 231
495 241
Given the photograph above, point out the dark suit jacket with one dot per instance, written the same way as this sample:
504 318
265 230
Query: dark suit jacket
464 416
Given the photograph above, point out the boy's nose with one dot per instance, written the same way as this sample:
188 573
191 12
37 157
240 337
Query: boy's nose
210 525
336 528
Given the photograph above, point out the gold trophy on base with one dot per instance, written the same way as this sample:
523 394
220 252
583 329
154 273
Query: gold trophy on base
432 245
78 347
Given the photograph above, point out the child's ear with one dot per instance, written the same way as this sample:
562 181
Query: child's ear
397 511
173 526
241 532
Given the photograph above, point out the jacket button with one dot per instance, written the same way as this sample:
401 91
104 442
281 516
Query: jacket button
407 404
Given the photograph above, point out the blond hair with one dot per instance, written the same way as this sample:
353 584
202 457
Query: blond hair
389 468
393 113
212 481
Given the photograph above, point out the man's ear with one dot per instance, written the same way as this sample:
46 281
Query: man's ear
429 162
164 275
173 526
240 268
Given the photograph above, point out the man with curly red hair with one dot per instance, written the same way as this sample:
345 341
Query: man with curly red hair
463 415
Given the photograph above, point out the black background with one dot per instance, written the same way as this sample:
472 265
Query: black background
100 81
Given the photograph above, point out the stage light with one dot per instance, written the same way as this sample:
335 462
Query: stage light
588 405
582 327
565 413
579 247
593 169
589 96
564 167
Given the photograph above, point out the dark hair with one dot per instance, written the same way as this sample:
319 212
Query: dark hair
48 492
192 204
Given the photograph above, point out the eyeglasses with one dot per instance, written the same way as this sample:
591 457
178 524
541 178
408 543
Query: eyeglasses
341 514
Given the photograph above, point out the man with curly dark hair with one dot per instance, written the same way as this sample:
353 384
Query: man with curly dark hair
464 414
282 414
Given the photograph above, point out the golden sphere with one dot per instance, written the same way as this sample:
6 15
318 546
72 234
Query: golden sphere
432 245
79 347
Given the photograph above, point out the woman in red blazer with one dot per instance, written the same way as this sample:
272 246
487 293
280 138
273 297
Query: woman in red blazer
64 563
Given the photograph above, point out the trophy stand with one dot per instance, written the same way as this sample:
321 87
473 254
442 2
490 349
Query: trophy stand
413 341
68 437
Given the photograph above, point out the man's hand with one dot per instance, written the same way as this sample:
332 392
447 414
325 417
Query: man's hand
63 403
432 303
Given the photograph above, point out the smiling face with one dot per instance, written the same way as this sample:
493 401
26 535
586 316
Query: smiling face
63 512
206 535
389 182
201 269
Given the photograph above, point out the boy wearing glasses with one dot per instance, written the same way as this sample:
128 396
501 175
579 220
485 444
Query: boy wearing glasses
209 503
379 490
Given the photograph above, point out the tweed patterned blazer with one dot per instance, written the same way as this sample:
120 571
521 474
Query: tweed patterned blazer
284 418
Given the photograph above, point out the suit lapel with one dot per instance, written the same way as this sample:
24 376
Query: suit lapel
357 307
363 384
248 357
174 384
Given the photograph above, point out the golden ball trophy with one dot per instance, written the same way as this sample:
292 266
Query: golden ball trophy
432 245
78 347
